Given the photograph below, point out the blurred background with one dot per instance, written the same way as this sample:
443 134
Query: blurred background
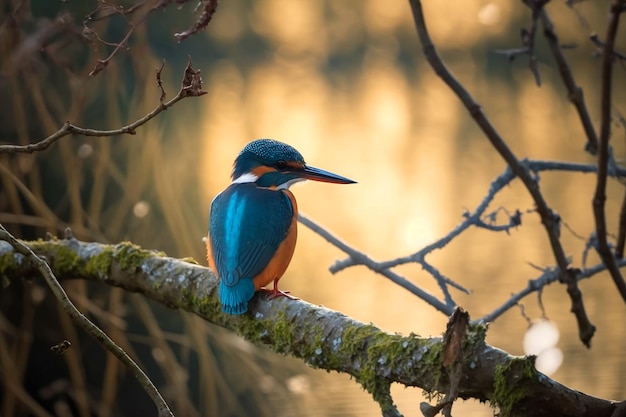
344 82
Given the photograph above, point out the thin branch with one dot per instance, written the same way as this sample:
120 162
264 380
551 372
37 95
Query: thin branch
549 276
621 237
528 37
574 92
104 11
363 259
549 219
599 198
208 10
497 185
512 53
101 64
91 329
601 45
621 234
191 87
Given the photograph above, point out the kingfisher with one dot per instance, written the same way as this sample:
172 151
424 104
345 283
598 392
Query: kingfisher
253 222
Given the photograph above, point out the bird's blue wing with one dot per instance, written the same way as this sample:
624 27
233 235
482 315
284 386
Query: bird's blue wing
247 224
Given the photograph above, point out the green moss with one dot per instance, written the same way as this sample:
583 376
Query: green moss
512 382
8 268
205 305
131 256
282 331
476 333
386 355
66 260
190 260
7 263
100 265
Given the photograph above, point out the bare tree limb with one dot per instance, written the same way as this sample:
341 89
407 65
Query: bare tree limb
549 219
191 87
599 198
94 331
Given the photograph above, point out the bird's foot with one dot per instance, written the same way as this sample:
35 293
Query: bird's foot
278 293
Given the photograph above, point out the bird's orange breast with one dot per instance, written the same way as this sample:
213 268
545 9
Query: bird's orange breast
281 259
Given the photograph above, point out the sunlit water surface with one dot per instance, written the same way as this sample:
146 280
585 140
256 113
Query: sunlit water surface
421 163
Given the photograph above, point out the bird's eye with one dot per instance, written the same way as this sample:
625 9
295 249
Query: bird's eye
281 165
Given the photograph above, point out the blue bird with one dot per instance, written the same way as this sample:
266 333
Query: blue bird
253 222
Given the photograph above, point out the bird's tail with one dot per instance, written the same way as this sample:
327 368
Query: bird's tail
235 298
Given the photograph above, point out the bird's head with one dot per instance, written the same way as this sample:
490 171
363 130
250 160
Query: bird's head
270 163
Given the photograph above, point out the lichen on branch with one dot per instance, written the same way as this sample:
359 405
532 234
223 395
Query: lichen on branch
320 337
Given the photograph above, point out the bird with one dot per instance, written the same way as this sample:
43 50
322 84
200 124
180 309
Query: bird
253 222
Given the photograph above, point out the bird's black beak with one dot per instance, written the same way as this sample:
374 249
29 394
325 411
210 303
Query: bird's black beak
316 174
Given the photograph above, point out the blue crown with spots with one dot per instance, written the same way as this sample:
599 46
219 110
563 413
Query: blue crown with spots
264 152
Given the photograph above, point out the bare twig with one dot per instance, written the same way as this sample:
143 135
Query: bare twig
621 237
160 82
191 87
363 259
598 42
528 37
101 64
512 53
549 276
621 234
104 11
93 330
574 92
599 198
208 10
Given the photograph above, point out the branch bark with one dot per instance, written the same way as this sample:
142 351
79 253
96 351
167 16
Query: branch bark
320 337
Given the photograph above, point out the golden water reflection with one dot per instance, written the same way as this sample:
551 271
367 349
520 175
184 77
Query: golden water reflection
420 163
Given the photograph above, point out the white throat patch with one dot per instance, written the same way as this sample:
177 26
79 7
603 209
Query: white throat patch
289 183
250 177
247 177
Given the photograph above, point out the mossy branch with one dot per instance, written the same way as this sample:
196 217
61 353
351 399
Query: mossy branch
320 337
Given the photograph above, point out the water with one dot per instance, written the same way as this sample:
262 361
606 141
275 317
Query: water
421 163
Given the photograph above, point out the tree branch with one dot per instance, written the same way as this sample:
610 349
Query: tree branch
191 87
91 329
604 152
320 337
549 219
360 258
549 276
